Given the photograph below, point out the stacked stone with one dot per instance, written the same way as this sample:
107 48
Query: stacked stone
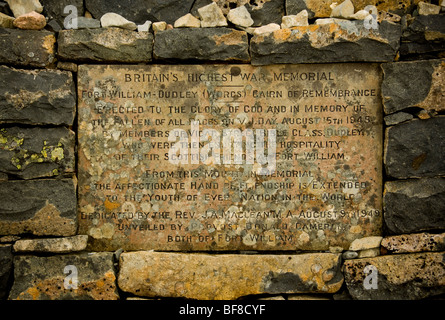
38 209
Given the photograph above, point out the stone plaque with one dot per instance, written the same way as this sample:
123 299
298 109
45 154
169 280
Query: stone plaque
229 157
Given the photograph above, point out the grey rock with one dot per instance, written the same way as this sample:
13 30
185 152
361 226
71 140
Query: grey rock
87 23
105 45
294 7
29 48
47 278
397 118
215 44
212 16
349 41
112 19
410 84
415 149
396 277
265 12
53 26
140 11
36 152
54 9
43 97
5 269
45 207
414 205
424 38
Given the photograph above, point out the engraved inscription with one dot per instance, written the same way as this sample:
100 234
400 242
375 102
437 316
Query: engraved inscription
229 157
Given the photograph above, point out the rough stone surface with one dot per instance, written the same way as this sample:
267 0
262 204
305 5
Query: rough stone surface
369 253
5 269
54 9
31 48
298 20
6 21
87 23
38 207
43 97
215 44
36 152
428 8
30 21
327 43
268 28
141 11
112 19
405 276
240 16
322 8
187 21
19 7
414 205
344 10
54 245
264 12
105 45
44 278
212 16
159 26
417 242
365 243
424 38
145 27
397 118
415 149
414 84
225 277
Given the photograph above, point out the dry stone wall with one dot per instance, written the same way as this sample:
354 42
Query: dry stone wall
42 44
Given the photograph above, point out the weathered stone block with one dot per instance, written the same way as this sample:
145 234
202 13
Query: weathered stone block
54 9
207 277
424 38
415 149
36 152
215 44
105 45
341 41
414 205
5 269
42 97
38 207
265 12
413 84
417 242
55 245
399 277
48 278
139 11
32 48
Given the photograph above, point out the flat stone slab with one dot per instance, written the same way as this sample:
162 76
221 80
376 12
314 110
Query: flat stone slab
214 44
53 278
396 277
341 41
415 149
416 242
43 97
38 207
142 187
413 84
29 48
55 245
226 276
105 45
36 152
